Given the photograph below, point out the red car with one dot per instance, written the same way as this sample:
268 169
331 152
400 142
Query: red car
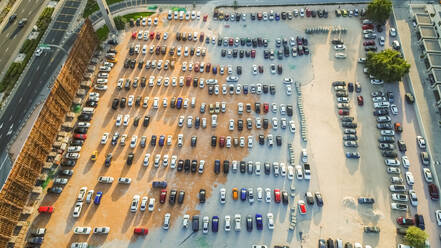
367 26
205 18
360 100
196 67
207 67
253 53
343 112
152 35
265 107
405 221
433 191
163 196
188 81
302 207
231 42
259 16
134 35
260 69
46 209
80 136
277 195
222 141
369 43
308 12
141 230
201 37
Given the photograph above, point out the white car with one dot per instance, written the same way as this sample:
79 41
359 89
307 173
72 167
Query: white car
77 209
421 142
409 178
259 193
82 230
186 221
340 55
134 204
394 109
427 175
151 204
231 125
254 69
101 230
250 141
133 141
227 223
237 222
107 180
173 161
405 161
299 172
376 81
292 126
268 195
222 195
157 160
392 162
146 159
413 198
126 120
180 140
143 203
304 156
275 123
270 221
118 120
242 141
82 193
166 223
290 172
124 180
438 217
104 138
165 160
205 223
89 196
339 47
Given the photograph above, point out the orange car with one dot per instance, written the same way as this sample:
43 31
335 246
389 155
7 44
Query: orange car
235 193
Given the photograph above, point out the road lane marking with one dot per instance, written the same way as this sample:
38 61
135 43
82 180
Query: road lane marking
29 83
21 98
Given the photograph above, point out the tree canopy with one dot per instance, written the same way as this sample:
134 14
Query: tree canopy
387 65
416 237
379 11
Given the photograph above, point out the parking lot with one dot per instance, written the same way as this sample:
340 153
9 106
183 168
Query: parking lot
339 180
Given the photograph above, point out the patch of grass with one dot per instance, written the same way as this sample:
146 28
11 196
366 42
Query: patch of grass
126 18
102 33
92 6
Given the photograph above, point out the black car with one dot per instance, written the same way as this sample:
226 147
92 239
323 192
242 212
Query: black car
143 80
226 166
130 158
318 199
195 223
272 89
249 222
122 103
223 52
261 139
267 168
194 165
172 197
386 139
213 140
279 140
69 162
55 190
419 221
187 165
349 124
146 121
194 140
115 103
77 142
240 125
402 146
80 130
257 107
239 70
381 112
217 166
93 104
389 154
85 117
265 123
180 165
181 196
284 197
309 198
242 166
202 196
136 121
108 160
153 140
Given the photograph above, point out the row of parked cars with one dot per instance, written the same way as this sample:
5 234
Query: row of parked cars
271 15
350 137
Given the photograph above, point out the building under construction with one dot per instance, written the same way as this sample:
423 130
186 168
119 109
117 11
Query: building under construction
15 195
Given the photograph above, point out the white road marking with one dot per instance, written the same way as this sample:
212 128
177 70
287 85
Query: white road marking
30 12
4 160
38 67
29 83
21 98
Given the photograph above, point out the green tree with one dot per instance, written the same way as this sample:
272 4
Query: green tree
387 65
379 11
119 22
416 237
235 4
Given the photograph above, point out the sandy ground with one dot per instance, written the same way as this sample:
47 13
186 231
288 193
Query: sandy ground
341 181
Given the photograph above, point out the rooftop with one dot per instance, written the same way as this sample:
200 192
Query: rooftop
423 19
432 45
427 32
434 59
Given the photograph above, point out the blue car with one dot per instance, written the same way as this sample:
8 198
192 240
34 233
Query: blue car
355 155
215 224
98 196
245 89
179 103
259 223
277 16
161 140
214 70
243 194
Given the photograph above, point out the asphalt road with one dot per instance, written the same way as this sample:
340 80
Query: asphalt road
36 78
11 35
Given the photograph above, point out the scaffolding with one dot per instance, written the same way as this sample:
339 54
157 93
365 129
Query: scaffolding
32 158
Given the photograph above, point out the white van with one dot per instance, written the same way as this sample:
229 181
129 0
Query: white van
88 110
214 121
